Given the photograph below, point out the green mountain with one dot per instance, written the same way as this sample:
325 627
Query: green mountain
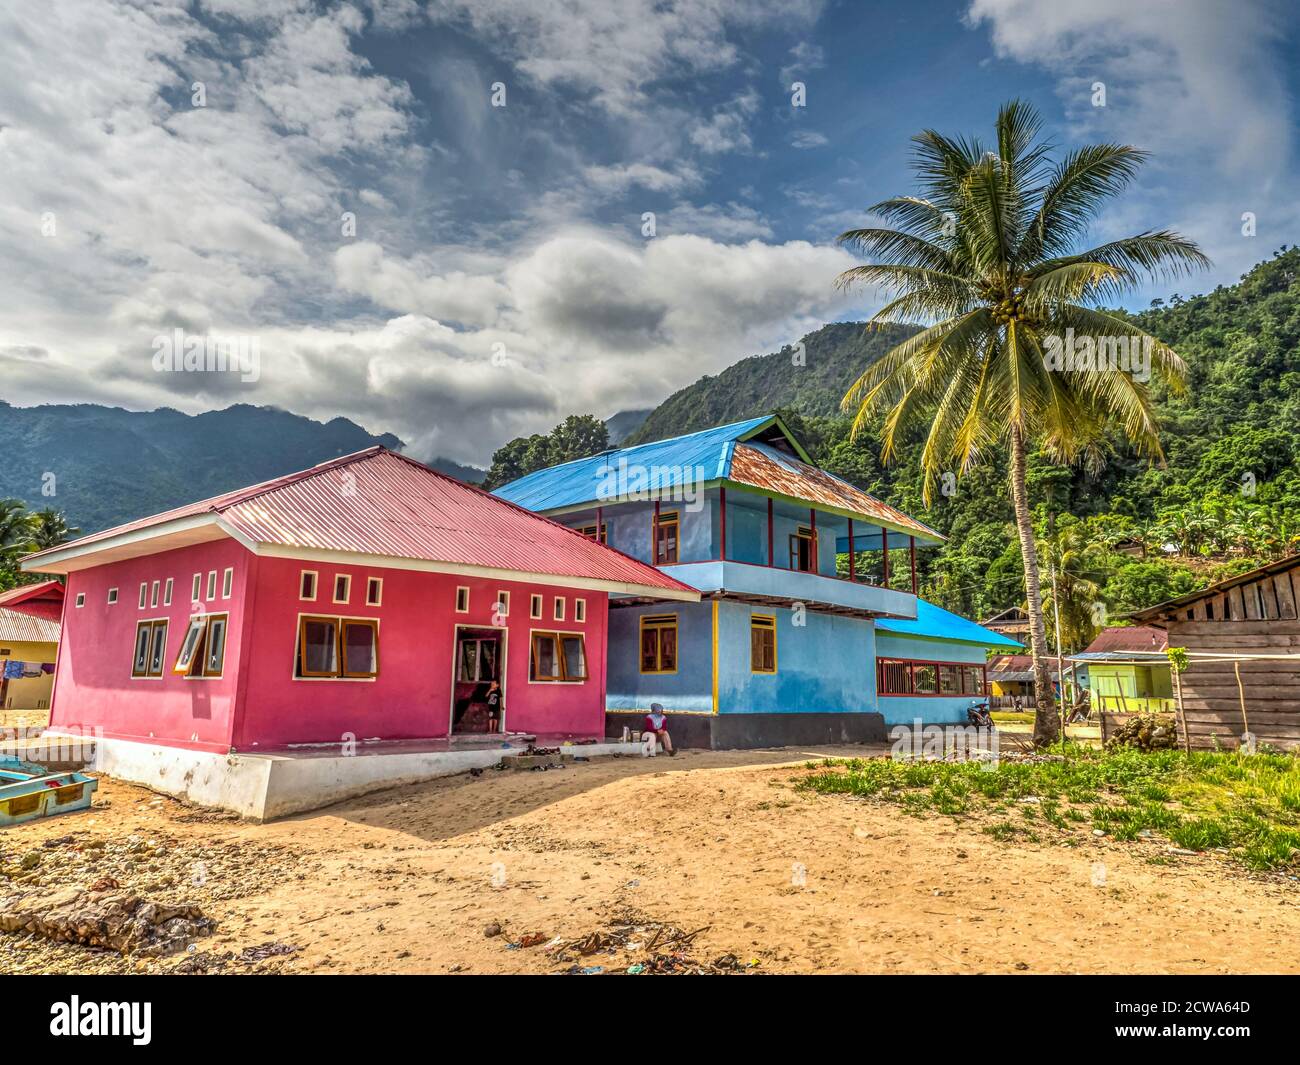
103 465
621 425
1227 497
810 377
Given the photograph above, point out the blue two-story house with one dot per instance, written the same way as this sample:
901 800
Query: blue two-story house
809 628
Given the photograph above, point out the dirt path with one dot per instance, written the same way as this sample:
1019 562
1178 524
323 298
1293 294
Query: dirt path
407 880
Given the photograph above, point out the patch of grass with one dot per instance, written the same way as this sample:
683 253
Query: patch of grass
1052 814
1003 831
1246 804
1200 834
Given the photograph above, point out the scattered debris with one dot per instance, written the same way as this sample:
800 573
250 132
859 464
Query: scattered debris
1146 732
530 939
251 955
120 921
643 947
203 963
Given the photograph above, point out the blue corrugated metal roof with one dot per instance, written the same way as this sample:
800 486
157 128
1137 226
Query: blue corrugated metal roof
937 623
587 480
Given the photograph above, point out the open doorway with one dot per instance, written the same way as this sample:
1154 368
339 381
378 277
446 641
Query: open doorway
478 688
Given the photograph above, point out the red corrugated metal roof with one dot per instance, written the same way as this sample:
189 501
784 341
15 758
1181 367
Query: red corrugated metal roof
377 502
1129 638
51 591
763 467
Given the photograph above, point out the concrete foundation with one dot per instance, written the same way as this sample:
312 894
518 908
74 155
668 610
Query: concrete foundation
728 732
262 787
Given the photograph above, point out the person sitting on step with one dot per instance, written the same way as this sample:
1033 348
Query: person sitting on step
655 728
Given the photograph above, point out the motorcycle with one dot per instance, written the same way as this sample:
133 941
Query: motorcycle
978 714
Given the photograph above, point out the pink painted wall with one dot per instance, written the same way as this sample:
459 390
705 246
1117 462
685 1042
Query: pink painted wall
93 684
411 697
257 702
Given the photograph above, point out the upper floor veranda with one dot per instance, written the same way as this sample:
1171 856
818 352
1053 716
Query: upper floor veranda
741 510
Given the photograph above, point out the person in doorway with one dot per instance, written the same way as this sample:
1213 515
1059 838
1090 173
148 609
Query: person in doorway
494 706
655 728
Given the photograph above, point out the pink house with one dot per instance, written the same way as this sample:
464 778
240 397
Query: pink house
368 597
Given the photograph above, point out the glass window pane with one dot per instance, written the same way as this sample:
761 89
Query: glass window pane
159 649
358 649
320 654
487 660
649 650
896 679
575 658
467 672
188 645
950 680
215 653
142 637
545 664
974 680
668 647
924 677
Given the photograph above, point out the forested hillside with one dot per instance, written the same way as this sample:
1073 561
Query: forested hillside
1122 532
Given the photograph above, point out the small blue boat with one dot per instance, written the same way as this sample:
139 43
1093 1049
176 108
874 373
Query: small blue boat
29 791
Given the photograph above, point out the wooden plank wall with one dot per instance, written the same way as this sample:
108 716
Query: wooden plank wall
1261 618
1271 598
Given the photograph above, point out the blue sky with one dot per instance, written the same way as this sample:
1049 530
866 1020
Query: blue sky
499 276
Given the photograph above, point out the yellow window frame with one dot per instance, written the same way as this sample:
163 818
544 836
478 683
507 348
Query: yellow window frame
762 623
658 622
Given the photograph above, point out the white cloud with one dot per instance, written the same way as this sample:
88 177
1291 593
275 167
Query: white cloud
1191 72
735 221
808 138
362 268
727 129
454 333
612 50
615 179
804 57
1197 83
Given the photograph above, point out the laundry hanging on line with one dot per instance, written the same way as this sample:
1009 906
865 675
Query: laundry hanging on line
16 670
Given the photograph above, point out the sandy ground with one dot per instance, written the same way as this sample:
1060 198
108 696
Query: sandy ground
407 880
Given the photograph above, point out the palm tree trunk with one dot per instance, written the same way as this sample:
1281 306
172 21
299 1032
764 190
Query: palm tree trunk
1045 721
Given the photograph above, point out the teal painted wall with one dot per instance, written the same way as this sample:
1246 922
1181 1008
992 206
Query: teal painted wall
825 665
689 689
930 709
628 528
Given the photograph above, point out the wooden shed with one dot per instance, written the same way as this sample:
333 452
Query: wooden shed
1242 638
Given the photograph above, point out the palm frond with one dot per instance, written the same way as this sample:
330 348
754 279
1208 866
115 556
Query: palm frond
1078 185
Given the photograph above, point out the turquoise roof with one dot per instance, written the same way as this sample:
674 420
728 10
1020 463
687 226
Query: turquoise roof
937 623
578 482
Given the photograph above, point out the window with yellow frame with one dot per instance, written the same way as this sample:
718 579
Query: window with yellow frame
659 643
666 529
762 643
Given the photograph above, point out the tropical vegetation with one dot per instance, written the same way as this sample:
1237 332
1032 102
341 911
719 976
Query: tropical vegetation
23 531
988 257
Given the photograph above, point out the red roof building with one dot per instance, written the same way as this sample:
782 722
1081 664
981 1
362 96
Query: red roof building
369 596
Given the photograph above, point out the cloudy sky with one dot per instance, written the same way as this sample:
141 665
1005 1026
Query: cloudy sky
193 165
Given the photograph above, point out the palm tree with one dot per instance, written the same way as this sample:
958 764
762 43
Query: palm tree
986 255
1077 560
50 528
15 538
